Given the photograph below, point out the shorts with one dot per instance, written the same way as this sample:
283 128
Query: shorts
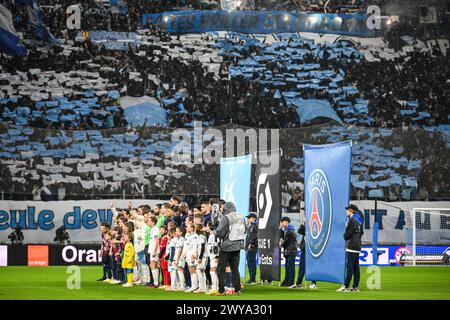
141 256
213 262
181 263
191 262
172 267
154 259
202 265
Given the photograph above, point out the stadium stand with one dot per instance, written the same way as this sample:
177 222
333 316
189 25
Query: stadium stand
64 124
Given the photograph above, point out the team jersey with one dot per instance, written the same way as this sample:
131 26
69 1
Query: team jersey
179 245
128 257
154 238
190 245
201 242
139 239
163 247
212 245
147 235
170 245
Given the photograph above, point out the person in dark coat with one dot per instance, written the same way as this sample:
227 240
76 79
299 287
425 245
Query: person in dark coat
352 236
251 246
289 244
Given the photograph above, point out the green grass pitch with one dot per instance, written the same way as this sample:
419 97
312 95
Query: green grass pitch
50 283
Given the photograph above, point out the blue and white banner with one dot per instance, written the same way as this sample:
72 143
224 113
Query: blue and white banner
235 178
40 219
9 39
110 40
260 22
327 193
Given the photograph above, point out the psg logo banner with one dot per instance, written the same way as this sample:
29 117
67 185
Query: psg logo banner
268 199
327 193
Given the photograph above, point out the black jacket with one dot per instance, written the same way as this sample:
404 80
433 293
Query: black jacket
289 242
353 232
252 237
301 231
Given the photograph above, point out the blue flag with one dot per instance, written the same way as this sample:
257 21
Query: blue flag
235 178
9 39
327 193
36 21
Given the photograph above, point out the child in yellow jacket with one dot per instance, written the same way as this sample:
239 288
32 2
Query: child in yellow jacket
128 259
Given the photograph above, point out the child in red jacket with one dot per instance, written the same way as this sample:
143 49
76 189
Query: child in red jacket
162 257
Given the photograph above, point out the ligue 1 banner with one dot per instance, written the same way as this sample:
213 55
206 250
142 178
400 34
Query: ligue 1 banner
260 22
235 179
327 193
39 220
268 200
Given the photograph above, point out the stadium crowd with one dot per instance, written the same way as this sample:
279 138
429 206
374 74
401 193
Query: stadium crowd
79 84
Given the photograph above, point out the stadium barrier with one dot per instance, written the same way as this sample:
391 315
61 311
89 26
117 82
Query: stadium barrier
42 255
88 254
39 220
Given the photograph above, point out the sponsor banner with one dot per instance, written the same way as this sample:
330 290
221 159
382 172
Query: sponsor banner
268 200
392 217
37 256
260 22
235 178
388 255
327 192
366 257
3 256
17 255
75 254
39 220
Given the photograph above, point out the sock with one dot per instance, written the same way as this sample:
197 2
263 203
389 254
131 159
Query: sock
201 279
155 274
166 278
194 281
145 274
229 282
214 281
130 277
135 273
173 279
181 278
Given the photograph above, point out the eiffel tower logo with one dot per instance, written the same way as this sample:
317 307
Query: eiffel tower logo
315 219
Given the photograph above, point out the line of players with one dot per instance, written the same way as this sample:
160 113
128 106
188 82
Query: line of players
144 243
